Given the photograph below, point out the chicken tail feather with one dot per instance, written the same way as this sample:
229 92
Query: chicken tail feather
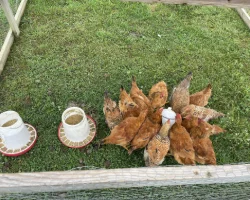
209 86
106 94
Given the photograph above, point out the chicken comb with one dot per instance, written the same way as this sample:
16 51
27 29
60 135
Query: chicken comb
199 120
161 109
162 94
178 116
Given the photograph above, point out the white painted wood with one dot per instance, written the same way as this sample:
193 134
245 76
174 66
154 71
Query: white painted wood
10 17
228 3
120 178
244 15
10 37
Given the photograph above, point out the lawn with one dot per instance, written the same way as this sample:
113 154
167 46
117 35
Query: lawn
75 50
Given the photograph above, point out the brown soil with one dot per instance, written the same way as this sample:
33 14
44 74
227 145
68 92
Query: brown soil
74 119
9 123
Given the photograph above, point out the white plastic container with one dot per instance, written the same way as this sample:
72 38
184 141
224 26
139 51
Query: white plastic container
168 114
13 131
75 124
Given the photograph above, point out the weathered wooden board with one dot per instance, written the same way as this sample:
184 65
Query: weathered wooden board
228 3
122 178
244 15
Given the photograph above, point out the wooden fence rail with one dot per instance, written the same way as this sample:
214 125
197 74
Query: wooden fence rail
228 3
122 178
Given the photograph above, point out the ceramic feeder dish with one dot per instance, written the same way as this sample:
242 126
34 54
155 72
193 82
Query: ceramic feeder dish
76 129
168 114
16 137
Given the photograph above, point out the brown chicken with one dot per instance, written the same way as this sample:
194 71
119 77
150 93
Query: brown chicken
201 98
127 106
111 112
211 129
181 145
204 151
180 95
200 112
123 133
158 95
189 123
149 129
157 148
138 97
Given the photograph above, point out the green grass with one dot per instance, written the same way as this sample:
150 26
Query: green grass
3 27
75 50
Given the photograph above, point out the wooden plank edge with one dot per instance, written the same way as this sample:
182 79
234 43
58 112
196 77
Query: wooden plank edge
10 37
244 15
6 49
122 178
232 4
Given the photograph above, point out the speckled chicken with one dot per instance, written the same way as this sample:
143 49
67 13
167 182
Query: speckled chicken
158 147
138 97
127 106
158 95
111 112
125 131
201 98
204 151
181 145
180 95
149 129
200 112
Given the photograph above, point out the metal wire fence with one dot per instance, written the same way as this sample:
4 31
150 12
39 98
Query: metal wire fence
239 191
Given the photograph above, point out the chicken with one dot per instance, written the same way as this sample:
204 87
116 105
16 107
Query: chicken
189 123
200 112
181 145
201 98
180 95
204 151
127 106
158 95
211 129
149 129
158 147
138 97
111 112
123 133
